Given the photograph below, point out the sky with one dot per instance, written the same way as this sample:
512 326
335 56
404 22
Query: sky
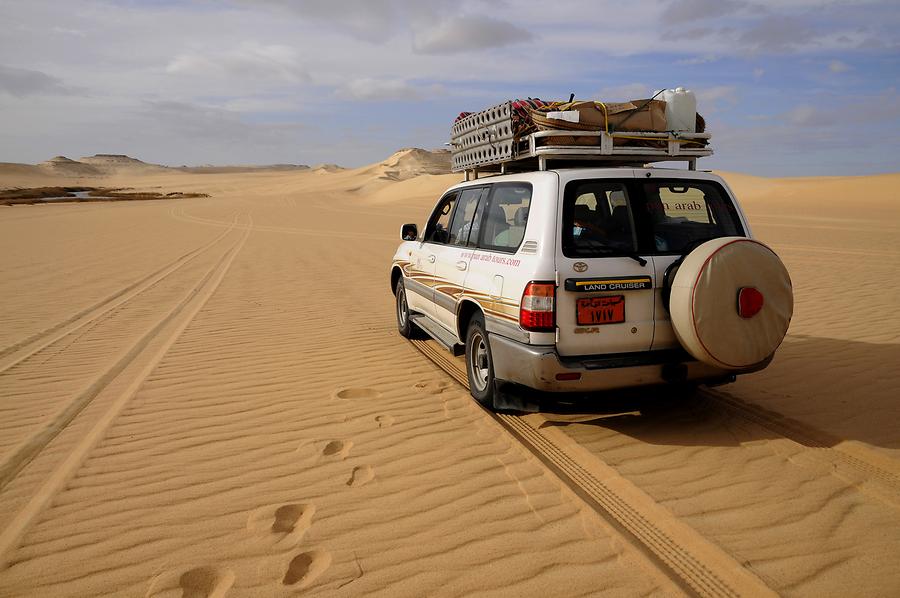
787 87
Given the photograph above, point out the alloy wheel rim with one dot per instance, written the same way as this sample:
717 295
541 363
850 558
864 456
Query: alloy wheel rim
478 362
401 307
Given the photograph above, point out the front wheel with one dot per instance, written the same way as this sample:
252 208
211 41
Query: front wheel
479 363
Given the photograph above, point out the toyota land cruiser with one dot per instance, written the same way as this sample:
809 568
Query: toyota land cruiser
592 278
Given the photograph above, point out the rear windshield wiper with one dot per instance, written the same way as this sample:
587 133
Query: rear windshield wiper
636 258
601 248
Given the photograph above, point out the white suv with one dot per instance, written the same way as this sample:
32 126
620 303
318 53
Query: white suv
592 278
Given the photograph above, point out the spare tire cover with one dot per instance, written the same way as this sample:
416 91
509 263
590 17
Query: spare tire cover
704 303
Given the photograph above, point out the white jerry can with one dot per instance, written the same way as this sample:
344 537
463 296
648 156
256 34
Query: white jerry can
681 109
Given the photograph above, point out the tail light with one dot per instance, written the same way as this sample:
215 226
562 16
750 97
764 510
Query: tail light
538 308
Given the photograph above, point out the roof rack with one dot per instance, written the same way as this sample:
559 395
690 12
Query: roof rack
486 141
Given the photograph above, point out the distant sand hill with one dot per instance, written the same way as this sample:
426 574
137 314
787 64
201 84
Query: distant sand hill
403 165
121 164
113 159
66 167
327 168
210 169
411 162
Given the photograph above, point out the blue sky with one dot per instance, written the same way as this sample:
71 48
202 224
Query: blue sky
788 88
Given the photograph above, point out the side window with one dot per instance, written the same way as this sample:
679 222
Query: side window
507 215
438 229
683 213
478 219
596 219
462 224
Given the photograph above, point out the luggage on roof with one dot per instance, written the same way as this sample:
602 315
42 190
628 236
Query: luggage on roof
525 134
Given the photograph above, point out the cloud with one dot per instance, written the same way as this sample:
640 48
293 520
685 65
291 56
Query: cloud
25 82
373 21
367 88
706 59
806 115
250 60
209 123
777 34
623 93
718 93
466 34
257 104
68 31
836 66
691 11
882 108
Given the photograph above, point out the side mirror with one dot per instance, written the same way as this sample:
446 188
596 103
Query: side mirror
409 232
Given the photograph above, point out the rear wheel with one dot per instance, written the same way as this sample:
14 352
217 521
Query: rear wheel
404 324
479 363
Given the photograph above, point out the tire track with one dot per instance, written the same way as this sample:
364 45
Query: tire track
306 232
695 564
868 466
13 462
145 355
18 352
7 217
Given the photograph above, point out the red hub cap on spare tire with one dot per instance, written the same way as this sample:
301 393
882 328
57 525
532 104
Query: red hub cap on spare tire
750 302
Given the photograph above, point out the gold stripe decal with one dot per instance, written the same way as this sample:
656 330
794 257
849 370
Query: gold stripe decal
619 283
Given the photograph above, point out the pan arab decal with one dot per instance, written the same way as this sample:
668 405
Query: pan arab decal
620 283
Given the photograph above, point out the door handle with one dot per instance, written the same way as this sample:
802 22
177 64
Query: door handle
431 258
461 265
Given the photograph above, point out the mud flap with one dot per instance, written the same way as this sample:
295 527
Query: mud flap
508 397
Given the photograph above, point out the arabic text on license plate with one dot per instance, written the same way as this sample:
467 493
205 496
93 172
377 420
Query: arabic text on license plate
600 310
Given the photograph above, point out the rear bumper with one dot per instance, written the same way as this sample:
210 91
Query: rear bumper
537 366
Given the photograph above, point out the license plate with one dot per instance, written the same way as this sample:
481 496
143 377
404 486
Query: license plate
591 311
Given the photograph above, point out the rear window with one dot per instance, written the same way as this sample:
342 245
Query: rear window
683 214
608 217
598 219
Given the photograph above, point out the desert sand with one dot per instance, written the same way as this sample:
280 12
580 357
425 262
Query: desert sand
208 397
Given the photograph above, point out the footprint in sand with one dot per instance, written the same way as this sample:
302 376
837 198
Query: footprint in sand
205 582
357 393
283 522
340 448
432 387
306 567
384 421
200 582
361 476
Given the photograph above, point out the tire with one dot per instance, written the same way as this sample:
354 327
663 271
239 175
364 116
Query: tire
672 270
479 363
404 324
707 303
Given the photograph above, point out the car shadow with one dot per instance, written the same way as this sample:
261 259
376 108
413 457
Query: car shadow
817 391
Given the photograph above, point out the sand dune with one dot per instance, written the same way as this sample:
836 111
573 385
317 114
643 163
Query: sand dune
62 166
207 397
65 171
411 162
